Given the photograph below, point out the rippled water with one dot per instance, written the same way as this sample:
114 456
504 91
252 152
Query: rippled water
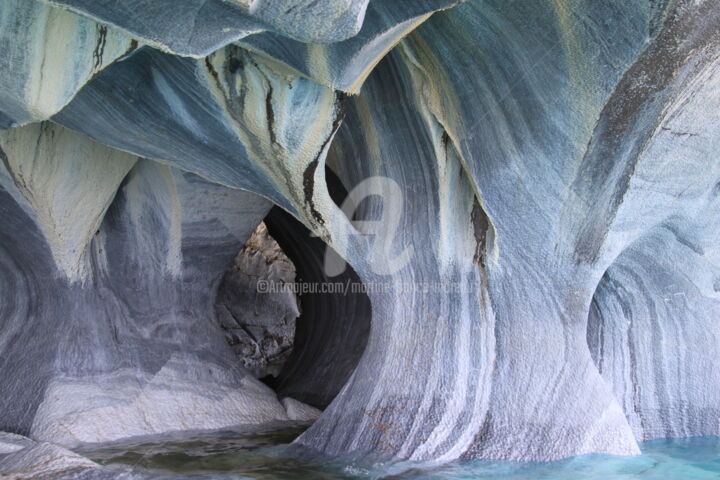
262 454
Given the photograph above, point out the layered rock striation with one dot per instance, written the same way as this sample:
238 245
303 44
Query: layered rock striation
530 197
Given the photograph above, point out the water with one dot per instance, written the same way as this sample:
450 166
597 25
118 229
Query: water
247 453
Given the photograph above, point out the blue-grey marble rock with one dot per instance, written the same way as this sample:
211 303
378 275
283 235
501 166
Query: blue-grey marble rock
131 345
198 27
48 55
653 331
228 117
566 155
538 249
653 328
345 65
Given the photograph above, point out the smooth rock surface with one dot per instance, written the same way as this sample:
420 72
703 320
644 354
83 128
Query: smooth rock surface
199 27
300 411
128 403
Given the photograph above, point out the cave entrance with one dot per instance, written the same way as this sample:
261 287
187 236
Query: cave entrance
302 339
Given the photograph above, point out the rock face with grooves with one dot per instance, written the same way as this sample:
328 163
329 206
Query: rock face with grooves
537 239
198 27
48 55
68 181
142 327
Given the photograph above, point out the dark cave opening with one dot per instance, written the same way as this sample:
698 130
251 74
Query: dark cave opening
333 328
299 337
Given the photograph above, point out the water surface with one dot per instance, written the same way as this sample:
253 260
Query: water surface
252 453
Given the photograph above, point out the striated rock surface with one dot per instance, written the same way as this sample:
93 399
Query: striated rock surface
566 155
132 346
229 117
198 27
530 197
10 442
48 55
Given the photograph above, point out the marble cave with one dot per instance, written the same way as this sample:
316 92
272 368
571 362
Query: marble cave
320 239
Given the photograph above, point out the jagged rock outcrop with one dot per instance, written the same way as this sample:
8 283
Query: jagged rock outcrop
530 196
257 305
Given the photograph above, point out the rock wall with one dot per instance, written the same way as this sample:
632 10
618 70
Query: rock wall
542 181
568 157
130 344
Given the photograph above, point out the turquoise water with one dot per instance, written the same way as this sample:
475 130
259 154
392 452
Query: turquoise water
263 454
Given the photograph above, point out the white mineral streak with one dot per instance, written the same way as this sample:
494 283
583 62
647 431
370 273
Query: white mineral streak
557 168
69 180
243 3
48 55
